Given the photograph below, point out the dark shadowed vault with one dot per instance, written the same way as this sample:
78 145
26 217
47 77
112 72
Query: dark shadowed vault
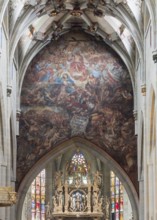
77 87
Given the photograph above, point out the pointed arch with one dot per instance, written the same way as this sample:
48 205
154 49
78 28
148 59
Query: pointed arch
97 151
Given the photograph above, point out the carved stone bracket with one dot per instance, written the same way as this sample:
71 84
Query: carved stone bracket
18 114
143 90
53 35
155 56
9 90
7 196
135 115
76 13
93 28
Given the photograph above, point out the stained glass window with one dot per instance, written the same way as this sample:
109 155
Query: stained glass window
38 197
116 189
78 168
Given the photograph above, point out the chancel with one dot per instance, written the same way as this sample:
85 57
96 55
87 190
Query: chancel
77 189
78 109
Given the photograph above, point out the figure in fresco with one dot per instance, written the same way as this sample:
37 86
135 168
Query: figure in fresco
68 83
77 67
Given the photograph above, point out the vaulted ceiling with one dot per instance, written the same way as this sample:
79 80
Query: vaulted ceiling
34 23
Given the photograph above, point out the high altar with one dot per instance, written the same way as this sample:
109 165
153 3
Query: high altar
78 197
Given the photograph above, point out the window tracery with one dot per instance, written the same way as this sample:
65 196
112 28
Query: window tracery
77 169
116 188
38 197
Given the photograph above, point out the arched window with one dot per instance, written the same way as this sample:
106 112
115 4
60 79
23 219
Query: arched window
38 197
116 197
77 168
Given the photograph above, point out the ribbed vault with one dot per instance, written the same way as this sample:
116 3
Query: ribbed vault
34 23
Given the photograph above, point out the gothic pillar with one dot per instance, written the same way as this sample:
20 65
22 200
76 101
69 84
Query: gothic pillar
89 197
66 196
49 182
141 204
106 181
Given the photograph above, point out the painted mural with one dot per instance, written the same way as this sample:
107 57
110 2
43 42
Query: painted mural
76 88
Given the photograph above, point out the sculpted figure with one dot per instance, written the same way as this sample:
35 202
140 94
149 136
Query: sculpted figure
48 211
107 208
95 200
97 179
100 205
58 179
60 201
54 202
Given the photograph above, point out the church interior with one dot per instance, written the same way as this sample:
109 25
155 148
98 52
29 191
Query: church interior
78 110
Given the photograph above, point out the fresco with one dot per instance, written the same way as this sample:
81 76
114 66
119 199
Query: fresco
76 88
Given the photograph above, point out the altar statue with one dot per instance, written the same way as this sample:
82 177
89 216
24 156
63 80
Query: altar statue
107 208
97 179
58 179
48 210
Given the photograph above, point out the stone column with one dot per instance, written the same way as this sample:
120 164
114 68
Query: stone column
50 170
3 170
141 204
106 189
66 199
89 197
106 181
